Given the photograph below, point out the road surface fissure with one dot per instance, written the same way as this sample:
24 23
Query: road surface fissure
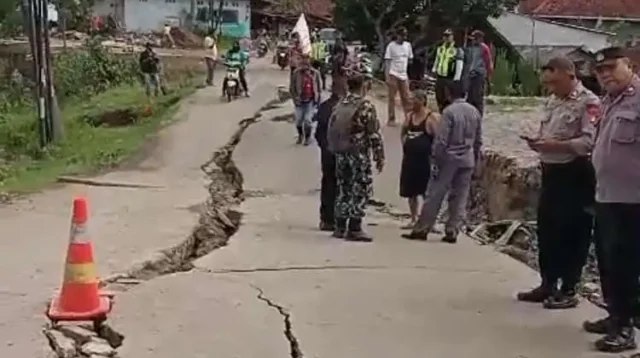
294 345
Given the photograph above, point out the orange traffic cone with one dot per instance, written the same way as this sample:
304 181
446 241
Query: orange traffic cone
79 298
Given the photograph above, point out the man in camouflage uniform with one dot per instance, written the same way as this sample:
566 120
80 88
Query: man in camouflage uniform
354 136
563 143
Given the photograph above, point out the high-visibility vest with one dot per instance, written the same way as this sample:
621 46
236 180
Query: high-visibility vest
318 50
445 56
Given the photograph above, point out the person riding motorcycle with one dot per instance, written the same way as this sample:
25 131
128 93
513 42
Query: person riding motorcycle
281 46
236 57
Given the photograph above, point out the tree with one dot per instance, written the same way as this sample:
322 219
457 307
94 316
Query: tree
380 16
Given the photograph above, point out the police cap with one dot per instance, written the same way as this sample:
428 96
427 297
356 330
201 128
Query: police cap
607 54
562 64
477 34
447 32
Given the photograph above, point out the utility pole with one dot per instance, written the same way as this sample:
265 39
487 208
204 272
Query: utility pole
35 14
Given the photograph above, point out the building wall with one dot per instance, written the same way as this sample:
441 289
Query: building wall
523 31
626 31
150 15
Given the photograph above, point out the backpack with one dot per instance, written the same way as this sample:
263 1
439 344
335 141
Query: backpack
340 125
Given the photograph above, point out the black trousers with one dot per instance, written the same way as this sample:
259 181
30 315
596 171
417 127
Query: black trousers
618 248
442 96
243 79
328 186
321 67
564 221
475 93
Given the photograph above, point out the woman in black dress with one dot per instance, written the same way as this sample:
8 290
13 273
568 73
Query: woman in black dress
417 138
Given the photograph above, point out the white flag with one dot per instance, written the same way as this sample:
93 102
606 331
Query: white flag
303 32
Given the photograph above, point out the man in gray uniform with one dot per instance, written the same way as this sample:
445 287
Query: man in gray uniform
616 159
564 142
455 152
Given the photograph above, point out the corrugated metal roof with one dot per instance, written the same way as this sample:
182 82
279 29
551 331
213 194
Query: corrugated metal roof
589 8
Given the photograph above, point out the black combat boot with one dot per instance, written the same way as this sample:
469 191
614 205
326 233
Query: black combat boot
300 135
326 226
356 233
620 338
450 236
563 299
537 295
340 228
416 235
600 326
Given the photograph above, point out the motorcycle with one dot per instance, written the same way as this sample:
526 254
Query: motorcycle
231 81
262 49
283 57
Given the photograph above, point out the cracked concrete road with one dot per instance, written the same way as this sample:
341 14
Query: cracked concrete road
127 225
321 297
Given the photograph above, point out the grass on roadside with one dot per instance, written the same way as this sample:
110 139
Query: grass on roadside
85 148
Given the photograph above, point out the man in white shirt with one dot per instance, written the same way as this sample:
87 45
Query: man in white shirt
210 58
167 35
397 57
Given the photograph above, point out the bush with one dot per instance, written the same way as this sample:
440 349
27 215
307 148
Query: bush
94 70
503 76
529 84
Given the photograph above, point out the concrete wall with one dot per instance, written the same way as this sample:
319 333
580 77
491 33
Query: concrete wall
521 30
150 15
539 55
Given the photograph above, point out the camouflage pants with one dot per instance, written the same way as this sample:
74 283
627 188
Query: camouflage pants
355 185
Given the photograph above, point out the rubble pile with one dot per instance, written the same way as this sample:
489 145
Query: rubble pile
185 38
71 341
505 189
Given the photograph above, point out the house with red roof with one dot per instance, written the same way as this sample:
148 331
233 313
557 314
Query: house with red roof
619 16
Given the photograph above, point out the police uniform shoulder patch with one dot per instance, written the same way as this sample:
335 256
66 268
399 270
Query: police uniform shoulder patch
593 112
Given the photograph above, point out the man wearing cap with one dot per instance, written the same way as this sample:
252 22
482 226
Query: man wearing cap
616 159
563 142
479 68
447 67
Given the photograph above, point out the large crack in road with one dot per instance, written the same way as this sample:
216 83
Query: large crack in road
217 223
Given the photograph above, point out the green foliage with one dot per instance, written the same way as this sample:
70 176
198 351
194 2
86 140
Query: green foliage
89 81
7 7
94 70
24 166
529 83
504 75
11 25
386 14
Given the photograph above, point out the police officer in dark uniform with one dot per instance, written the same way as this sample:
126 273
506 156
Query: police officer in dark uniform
616 159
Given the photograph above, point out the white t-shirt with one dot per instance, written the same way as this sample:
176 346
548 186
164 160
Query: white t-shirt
399 56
